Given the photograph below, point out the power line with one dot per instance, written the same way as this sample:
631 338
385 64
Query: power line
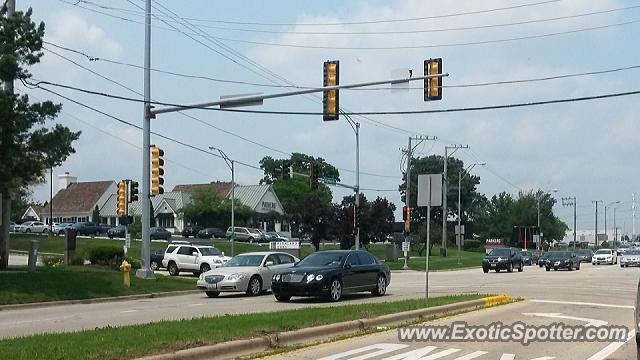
379 21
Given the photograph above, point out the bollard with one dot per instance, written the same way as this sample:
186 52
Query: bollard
126 271
33 255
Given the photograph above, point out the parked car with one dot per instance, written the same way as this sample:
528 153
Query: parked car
245 234
631 257
585 255
194 258
562 260
209 233
527 257
542 260
105 227
261 236
155 259
250 273
117 232
604 256
503 259
330 274
58 229
12 226
87 228
158 233
191 231
622 248
274 236
32 227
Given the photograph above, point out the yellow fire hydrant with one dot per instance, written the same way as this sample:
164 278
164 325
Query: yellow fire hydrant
126 270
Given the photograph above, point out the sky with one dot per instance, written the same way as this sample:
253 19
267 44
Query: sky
584 149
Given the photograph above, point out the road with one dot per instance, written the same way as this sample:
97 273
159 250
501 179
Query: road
592 283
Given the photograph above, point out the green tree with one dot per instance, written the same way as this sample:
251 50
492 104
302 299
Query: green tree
299 164
208 209
376 220
27 146
95 215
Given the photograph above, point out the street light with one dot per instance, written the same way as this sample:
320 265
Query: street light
356 129
466 171
230 162
538 202
605 216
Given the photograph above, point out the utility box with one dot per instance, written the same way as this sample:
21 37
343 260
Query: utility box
391 252
70 235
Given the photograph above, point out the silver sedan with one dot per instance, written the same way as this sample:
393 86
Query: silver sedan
250 273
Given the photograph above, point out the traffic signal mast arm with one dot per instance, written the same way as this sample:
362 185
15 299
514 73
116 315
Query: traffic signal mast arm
253 99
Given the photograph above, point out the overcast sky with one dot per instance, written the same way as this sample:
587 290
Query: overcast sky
583 149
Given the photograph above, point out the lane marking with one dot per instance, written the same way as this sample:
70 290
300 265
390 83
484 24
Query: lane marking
128 311
611 348
592 322
583 304
471 356
382 349
508 356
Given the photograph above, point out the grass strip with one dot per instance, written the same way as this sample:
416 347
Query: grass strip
139 340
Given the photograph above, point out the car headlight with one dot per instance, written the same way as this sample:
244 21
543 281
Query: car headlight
319 277
237 277
499 259
278 277
310 278
217 261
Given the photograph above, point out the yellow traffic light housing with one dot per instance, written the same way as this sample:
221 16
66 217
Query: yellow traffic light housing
330 98
433 86
157 171
122 198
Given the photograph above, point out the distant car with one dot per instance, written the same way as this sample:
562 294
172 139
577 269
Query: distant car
58 229
261 236
32 227
87 228
117 232
249 272
562 260
158 233
156 257
12 226
604 256
105 227
631 257
542 260
503 259
330 274
274 236
527 257
194 258
585 255
622 248
212 232
245 234
191 231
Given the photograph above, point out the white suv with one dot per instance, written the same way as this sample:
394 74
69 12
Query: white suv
193 258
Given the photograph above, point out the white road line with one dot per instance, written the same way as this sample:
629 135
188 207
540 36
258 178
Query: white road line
128 311
471 356
583 304
382 349
611 348
592 322
508 356
196 304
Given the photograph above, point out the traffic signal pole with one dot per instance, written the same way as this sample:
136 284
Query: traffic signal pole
358 184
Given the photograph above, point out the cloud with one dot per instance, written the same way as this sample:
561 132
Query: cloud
70 29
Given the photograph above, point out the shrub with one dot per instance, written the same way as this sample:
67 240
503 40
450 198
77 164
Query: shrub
106 255
77 259
135 263
473 245
52 261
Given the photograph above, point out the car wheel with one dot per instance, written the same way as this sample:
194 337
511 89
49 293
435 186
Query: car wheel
283 298
335 290
204 268
521 267
44 231
212 294
154 265
381 286
485 270
173 269
578 267
548 268
497 270
250 240
255 286
110 236
27 231
571 267
510 268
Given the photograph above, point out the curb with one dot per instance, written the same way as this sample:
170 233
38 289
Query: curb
97 300
434 271
307 335
22 252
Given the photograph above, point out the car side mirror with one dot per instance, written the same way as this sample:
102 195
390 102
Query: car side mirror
268 263
194 253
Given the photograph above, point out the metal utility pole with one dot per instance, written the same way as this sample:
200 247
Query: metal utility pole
615 228
356 129
145 271
596 230
460 233
230 164
51 201
605 217
571 201
443 246
633 215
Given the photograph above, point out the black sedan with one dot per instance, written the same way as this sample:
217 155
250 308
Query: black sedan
191 231
503 259
542 261
158 233
116 232
209 233
585 255
562 260
330 274
156 257
527 257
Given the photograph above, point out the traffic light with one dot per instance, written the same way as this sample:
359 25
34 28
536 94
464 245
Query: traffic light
122 198
286 169
157 171
406 216
313 175
133 191
433 86
330 98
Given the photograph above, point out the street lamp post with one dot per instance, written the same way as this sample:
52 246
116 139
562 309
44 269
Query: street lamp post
605 217
230 164
459 234
538 206
356 129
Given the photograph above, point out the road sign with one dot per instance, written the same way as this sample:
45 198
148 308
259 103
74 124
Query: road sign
459 229
329 181
460 240
405 246
284 245
436 190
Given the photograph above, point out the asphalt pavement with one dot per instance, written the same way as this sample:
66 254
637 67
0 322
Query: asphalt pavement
601 284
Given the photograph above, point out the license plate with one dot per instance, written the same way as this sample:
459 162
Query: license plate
212 286
493 265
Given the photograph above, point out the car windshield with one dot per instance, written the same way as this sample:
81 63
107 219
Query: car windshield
323 259
584 252
499 252
603 252
210 251
632 252
558 254
245 260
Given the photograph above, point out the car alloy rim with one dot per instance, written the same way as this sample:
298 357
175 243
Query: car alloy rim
336 289
255 286
381 285
154 265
